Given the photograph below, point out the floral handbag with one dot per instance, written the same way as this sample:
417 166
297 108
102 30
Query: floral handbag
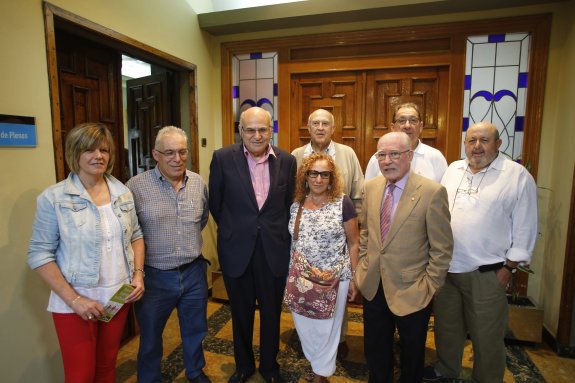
310 291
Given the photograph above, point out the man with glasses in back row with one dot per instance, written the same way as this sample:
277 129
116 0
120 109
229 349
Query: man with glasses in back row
427 161
251 191
493 204
172 207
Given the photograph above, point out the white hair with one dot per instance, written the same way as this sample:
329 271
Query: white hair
169 130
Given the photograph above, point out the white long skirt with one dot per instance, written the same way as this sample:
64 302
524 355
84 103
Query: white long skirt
320 337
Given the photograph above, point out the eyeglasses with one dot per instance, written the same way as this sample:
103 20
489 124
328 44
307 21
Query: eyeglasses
315 173
318 123
251 131
468 194
171 154
392 155
403 121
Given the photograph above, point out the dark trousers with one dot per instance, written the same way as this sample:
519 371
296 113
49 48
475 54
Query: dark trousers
257 283
379 328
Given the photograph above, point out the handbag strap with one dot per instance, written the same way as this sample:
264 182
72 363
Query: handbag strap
296 225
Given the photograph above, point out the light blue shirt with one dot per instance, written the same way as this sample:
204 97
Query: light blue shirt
67 230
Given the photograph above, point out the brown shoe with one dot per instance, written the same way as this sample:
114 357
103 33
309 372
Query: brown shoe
342 350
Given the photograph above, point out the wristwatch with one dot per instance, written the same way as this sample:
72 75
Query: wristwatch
512 270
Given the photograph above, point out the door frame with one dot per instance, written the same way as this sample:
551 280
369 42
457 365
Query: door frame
56 18
416 46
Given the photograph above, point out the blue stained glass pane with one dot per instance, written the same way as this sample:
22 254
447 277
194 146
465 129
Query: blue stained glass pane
496 38
519 121
465 123
263 101
235 91
249 102
522 81
467 82
275 89
275 126
256 55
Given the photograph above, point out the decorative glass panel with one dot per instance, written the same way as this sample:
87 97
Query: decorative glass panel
255 83
496 68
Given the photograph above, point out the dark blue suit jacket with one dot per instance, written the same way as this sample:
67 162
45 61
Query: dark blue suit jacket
234 208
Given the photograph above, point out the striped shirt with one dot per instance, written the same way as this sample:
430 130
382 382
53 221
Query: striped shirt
172 221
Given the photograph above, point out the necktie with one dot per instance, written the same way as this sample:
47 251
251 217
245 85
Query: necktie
386 210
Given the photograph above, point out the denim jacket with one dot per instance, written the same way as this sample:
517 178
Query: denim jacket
67 230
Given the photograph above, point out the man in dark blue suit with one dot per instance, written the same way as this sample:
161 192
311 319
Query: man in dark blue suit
251 189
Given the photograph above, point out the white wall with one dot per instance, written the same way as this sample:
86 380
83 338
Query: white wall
29 349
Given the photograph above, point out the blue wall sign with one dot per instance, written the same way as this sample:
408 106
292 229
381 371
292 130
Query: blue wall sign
17 131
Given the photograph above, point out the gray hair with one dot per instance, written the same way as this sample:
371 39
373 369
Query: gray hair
407 105
169 130
330 114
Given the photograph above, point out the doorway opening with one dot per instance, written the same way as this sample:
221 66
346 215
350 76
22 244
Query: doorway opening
86 84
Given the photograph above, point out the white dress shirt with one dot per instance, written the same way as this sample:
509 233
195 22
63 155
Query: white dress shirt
493 213
427 161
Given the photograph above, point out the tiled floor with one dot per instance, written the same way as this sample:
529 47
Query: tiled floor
526 364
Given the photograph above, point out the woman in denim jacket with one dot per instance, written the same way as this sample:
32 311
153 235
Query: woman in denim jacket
86 243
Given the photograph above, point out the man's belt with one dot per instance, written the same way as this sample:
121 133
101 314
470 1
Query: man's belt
491 267
186 265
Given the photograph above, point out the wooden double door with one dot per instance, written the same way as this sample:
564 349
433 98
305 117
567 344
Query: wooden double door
363 102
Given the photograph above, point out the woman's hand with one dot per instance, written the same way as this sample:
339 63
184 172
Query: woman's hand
87 309
138 283
352 292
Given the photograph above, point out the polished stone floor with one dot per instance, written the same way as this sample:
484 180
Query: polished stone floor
525 363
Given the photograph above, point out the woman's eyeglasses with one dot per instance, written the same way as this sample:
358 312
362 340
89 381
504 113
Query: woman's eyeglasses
315 173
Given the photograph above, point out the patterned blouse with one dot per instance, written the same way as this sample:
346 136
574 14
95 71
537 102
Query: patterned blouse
322 237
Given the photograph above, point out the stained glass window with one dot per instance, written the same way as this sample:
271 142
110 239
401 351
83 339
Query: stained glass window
255 83
496 71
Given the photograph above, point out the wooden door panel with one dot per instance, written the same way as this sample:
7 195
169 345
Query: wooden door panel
426 87
89 84
340 93
148 111
363 102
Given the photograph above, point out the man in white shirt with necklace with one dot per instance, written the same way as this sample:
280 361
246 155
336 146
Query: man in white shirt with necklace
427 161
493 204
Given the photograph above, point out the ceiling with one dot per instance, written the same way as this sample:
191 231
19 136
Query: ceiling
322 12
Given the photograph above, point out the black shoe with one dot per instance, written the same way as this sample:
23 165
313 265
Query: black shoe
202 378
240 377
342 350
276 378
430 374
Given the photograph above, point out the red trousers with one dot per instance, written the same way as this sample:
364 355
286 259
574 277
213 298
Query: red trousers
89 348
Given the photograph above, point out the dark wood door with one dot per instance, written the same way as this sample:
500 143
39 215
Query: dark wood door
362 103
89 80
341 93
425 87
148 100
